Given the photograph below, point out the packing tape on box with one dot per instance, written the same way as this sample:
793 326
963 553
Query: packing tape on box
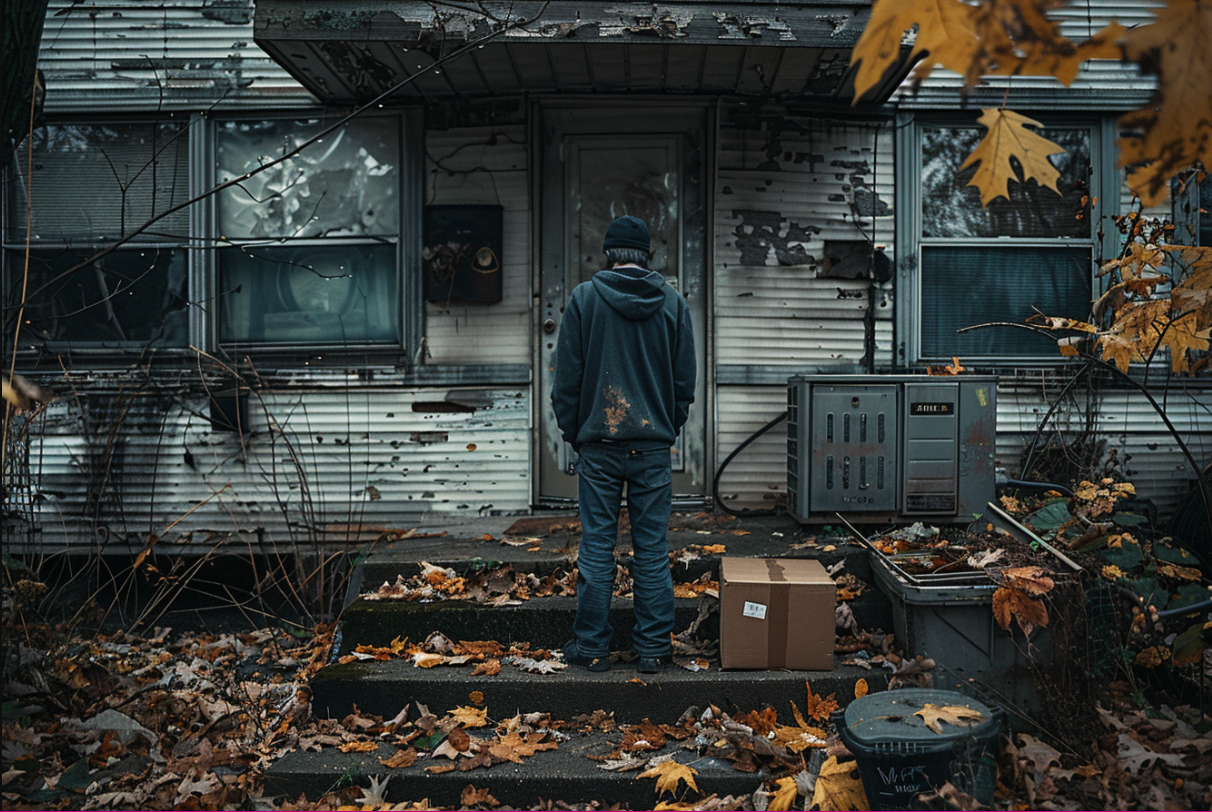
776 631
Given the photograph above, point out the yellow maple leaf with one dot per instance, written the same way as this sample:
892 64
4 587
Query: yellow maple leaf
784 795
839 787
1174 130
945 32
932 715
1008 138
668 774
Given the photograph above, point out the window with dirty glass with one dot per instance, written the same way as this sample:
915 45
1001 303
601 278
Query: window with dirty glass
308 248
1002 263
76 189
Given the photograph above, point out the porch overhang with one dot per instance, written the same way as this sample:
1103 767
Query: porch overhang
349 51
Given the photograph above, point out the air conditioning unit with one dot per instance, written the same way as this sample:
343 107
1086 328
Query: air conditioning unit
890 447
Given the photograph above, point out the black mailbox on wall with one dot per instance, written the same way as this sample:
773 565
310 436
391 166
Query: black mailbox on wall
462 254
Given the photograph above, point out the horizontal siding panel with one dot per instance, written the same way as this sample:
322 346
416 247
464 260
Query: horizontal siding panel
757 477
314 463
166 55
1100 85
484 165
785 185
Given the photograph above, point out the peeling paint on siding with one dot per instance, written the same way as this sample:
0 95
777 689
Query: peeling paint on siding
317 466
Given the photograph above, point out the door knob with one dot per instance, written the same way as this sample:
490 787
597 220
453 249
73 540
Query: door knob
549 326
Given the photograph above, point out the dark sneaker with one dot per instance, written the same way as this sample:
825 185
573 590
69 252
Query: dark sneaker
652 665
573 656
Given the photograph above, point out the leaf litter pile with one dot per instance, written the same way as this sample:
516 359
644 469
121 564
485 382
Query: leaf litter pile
192 721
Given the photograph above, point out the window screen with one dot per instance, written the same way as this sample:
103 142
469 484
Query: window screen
96 182
963 286
78 188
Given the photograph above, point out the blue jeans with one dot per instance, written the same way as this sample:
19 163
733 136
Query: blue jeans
602 470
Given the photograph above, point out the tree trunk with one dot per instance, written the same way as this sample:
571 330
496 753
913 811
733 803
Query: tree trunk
23 21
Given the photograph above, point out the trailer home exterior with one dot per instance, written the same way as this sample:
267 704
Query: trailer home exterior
358 338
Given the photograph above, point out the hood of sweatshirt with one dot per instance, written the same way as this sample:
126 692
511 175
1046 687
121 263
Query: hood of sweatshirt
633 292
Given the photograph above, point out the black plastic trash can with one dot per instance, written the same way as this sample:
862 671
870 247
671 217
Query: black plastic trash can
900 757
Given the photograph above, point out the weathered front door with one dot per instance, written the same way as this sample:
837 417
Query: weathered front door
598 165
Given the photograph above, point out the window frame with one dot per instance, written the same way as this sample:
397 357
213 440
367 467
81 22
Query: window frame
106 350
910 222
202 243
409 308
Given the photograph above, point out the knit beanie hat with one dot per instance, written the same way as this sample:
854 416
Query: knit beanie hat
627 232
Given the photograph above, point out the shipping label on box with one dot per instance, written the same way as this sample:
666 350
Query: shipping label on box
776 613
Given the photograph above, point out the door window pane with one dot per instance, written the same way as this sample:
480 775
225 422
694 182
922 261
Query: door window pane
969 285
952 209
130 296
330 294
640 179
345 184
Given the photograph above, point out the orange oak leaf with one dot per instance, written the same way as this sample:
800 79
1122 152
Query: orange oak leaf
818 708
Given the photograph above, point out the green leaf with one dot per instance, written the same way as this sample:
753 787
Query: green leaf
12 709
1188 648
76 778
1130 519
1149 589
10 562
1173 554
1188 594
429 742
1126 556
1051 516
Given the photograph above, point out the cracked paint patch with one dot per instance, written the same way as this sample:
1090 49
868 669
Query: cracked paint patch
760 233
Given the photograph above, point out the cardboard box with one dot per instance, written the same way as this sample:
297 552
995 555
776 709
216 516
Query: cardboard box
776 613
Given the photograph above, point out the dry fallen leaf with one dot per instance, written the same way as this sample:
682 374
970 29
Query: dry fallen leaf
668 774
839 787
860 688
819 708
405 757
470 717
958 715
489 668
784 795
477 797
359 747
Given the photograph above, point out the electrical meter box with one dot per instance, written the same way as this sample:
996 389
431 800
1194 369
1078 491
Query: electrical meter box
889 447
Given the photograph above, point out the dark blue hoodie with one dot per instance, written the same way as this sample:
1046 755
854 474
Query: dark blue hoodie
624 364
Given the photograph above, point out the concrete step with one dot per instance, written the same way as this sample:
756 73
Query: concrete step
542 622
383 688
566 774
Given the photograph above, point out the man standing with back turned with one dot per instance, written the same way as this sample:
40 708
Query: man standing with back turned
624 381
